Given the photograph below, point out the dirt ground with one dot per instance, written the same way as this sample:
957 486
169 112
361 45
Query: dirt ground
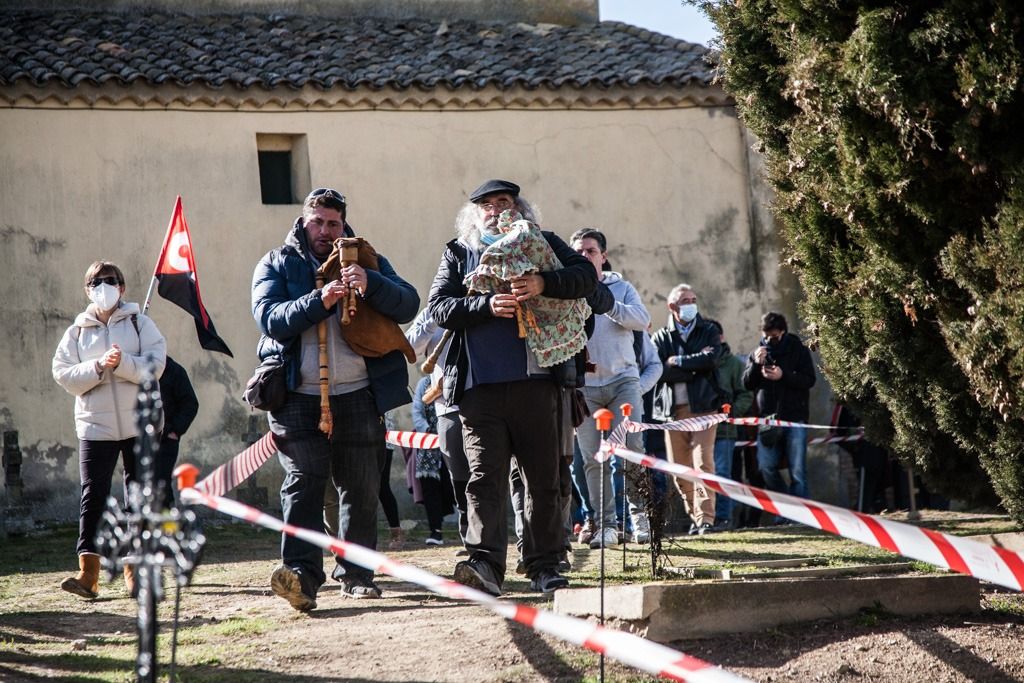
235 629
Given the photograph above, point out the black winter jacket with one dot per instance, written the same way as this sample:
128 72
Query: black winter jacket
286 302
786 398
697 368
179 399
452 309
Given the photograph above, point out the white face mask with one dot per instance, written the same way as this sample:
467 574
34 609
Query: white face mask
104 296
687 312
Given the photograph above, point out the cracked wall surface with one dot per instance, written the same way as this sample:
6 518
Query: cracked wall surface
670 187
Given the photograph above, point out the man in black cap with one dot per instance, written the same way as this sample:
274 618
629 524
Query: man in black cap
509 403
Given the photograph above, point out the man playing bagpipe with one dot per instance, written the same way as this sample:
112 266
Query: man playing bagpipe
329 306
508 386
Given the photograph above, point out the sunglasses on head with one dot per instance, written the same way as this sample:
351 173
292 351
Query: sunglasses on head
108 280
328 193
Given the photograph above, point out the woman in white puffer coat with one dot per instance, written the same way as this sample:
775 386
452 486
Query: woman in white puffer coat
100 361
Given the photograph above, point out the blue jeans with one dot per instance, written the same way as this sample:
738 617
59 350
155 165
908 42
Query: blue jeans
793 443
354 456
579 480
724 449
610 396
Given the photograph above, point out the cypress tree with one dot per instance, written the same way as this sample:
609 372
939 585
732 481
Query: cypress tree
890 135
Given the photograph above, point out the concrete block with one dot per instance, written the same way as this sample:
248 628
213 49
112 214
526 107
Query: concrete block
664 612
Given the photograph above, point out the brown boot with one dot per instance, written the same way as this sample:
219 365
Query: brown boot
86 582
397 541
129 580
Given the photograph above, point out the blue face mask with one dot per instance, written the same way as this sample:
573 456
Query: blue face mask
490 239
687 312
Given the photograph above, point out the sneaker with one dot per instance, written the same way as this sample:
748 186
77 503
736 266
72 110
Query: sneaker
434 538
548 581
478 574
287 583
359 586
564 564
705 528
586 532
641 528
606 537
693 530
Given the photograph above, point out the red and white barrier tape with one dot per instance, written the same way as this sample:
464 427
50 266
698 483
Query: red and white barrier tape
702 422
412 439
624 647
239 468
962 555
815 440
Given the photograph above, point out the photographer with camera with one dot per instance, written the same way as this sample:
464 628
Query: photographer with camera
781 371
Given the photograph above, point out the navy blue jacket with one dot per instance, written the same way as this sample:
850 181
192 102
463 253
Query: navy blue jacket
286 302
452 309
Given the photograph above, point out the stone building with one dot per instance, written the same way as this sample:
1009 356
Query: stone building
109 109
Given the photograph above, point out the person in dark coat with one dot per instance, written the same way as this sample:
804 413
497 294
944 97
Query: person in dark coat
180 408
781 371
510 405
689 348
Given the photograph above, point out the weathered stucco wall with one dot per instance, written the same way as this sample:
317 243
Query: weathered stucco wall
669 187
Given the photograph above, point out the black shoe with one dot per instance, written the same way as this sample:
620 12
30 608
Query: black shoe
359 586
434 538
705 528
520 568
478 574
287 583
548 581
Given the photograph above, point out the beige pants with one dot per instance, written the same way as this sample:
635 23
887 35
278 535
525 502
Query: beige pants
696 450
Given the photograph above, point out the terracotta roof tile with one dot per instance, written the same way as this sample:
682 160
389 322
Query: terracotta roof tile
267 51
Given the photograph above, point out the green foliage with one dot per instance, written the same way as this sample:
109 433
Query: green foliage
889 132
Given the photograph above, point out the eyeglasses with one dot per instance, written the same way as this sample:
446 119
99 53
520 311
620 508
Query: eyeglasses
327 193
108 280
497 205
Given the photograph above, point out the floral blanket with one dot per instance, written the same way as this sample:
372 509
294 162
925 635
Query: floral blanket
558 334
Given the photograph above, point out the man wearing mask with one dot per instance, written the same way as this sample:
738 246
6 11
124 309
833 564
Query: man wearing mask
781 371
689 348
509 404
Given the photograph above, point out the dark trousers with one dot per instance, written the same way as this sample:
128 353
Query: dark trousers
163 476
353 457
96 463
500 420
387 498
449 433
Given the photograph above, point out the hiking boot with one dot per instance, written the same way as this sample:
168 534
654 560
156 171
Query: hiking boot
641 528
586 532
287 583
478 574
359 586
434 538
548 581
606 537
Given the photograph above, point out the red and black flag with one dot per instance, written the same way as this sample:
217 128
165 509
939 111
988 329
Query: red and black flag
179 281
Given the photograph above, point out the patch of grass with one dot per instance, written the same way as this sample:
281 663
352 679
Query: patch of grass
1010 605
872 616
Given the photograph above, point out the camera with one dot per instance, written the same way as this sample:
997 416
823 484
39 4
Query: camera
769 360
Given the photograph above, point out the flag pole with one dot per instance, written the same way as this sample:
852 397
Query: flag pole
163 251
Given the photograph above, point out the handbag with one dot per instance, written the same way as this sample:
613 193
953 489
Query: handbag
267 389
769 435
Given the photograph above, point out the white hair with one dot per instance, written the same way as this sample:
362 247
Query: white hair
677 290
469 221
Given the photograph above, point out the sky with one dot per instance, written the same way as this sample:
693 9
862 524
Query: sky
672 17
